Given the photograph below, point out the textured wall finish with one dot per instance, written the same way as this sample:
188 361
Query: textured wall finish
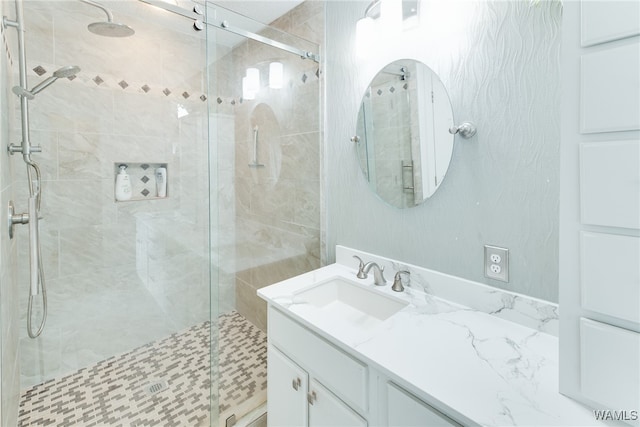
499 63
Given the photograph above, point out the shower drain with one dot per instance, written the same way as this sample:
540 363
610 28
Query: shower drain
155 387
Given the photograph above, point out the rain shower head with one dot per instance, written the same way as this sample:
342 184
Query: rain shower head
68 71
108 28
111 29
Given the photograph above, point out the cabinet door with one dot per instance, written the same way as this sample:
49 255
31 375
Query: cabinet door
327 410
404 410
286 391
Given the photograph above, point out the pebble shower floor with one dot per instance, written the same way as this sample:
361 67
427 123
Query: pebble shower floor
166 382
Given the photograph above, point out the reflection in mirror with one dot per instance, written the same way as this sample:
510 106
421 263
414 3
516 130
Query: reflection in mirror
404 146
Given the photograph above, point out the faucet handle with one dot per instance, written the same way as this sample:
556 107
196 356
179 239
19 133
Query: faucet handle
397 281
361 274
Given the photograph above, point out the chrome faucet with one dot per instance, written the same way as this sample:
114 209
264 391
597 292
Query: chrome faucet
397 281
361 274
378 273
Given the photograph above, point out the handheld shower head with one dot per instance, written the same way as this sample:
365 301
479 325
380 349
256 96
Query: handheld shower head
108 28
68 71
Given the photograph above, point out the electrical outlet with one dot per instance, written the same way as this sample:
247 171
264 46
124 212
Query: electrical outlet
496 263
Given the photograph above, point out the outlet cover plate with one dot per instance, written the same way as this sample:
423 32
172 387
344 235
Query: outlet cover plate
496 270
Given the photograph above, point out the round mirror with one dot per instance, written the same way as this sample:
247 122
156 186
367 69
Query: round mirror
403 140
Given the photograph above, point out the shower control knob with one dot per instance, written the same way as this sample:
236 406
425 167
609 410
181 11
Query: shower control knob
198 25
198 9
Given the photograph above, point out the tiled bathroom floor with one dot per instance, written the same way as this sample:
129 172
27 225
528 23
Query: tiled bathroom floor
115 391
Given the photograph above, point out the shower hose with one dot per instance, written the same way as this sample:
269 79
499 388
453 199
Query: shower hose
35 189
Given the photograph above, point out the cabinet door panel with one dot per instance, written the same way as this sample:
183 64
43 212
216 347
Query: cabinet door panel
286 391
326 410
405 410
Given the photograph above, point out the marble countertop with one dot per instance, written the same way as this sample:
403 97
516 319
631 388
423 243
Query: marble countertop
478 368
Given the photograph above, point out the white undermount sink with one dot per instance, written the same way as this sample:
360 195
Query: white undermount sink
343 300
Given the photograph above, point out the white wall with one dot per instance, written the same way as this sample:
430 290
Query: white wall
500 64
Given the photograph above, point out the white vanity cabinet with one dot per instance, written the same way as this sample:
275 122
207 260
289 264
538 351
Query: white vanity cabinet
287 389
311 382
295 401
325 409
405 410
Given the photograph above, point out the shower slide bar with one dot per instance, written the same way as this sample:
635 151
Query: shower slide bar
32 216
198 17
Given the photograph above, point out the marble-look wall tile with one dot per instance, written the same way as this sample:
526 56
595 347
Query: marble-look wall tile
83 249
300 156
69 204
63 107
307 203
249 305
50 253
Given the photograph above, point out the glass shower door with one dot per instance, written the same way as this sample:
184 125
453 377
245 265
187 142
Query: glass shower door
264 117
130 290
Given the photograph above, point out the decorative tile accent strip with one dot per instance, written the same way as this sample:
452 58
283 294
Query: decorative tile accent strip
379 92
115 391
144 179
144 166
392 89
219 100
39 70
6 45
103 80
145 192
405 86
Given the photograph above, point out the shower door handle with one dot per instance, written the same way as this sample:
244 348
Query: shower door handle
34 242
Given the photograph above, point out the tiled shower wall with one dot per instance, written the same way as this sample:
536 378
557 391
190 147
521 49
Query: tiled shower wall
277 207
9 314
119 274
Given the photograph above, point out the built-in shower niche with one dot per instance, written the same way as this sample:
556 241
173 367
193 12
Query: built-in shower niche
148 181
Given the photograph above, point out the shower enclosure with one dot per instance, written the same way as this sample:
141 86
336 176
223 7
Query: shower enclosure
152 310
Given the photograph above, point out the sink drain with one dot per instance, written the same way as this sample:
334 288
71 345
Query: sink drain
156 386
